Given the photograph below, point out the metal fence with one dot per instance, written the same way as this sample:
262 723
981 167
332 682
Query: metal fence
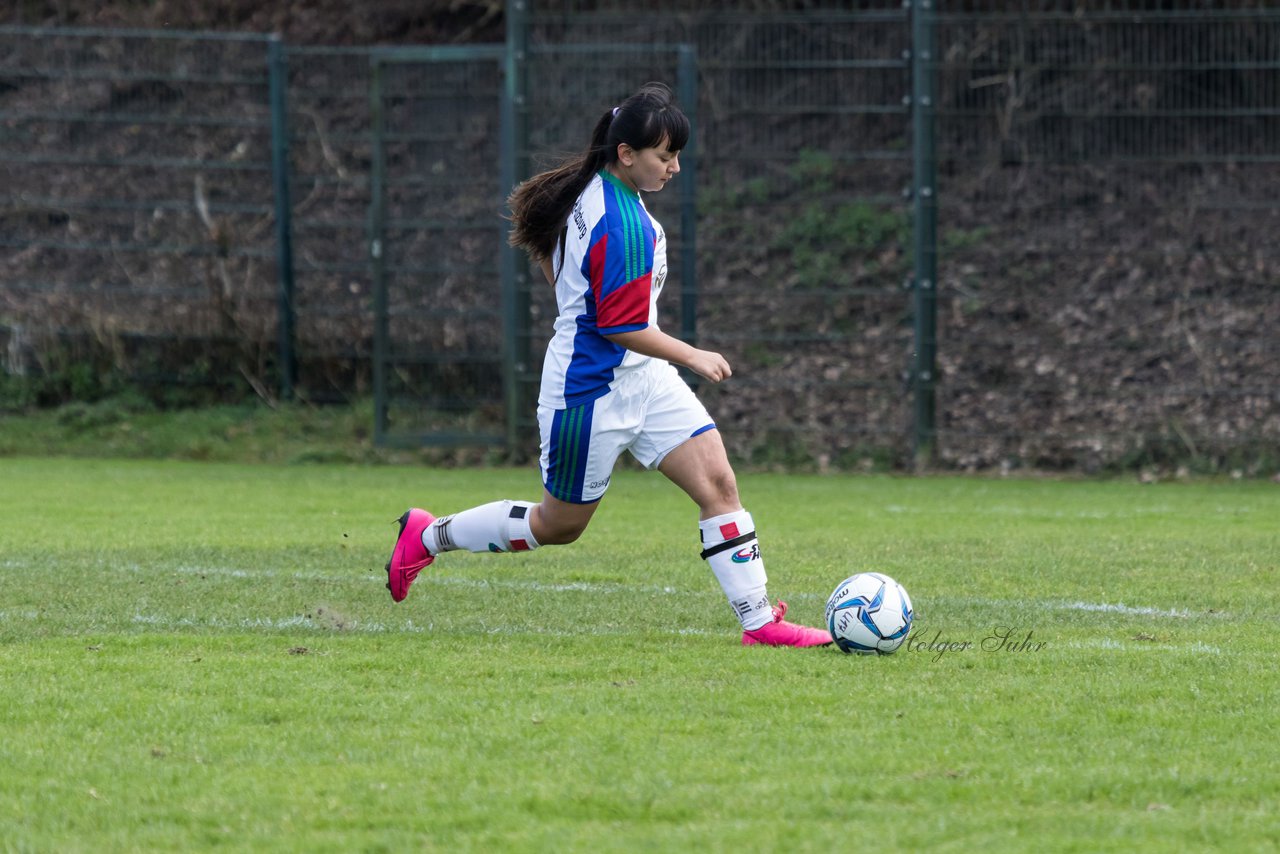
804 154
1102 290
137 205
1107 184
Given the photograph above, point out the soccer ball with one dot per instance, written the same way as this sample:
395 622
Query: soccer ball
869 613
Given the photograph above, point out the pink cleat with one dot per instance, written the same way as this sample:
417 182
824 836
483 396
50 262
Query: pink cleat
781 633
410 556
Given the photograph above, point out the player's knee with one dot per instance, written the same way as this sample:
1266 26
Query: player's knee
551 530
725 486
720 494
562 534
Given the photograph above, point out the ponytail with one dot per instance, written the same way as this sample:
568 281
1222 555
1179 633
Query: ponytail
540 206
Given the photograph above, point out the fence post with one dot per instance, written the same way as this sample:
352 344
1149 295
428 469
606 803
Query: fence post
377 264
279 76
514 269
924 231
687 81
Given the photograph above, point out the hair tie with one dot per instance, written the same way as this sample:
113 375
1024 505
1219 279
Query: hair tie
615 111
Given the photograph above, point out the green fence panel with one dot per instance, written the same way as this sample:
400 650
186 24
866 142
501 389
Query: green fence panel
436 242
1109 292
804 154
137 202
330 151
1106 276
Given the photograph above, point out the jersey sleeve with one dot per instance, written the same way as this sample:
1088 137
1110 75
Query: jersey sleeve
620 270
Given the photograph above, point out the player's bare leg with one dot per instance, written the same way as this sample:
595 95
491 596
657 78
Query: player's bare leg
701 468
557 523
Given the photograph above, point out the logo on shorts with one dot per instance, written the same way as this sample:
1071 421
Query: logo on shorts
747 555
599 484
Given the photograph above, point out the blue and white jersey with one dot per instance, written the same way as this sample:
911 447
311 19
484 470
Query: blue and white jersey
613 267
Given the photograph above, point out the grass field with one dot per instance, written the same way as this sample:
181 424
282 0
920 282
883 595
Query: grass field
202 655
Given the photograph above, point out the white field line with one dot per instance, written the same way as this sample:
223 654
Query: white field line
19 616
296 622
1016 605
444 580
1198 647
535 586
300 624
375 627
1042 513
326 626
323 625
1121 608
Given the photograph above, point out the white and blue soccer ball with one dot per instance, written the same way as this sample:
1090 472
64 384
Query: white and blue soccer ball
869 613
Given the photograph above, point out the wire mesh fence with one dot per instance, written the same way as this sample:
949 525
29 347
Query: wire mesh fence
803 156
137 205
1109 185
330 152
1107 285
439 347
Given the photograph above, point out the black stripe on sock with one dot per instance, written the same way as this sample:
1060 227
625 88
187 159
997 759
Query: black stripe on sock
444 536
728 544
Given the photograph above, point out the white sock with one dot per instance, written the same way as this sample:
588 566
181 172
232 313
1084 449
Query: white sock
500 526
730 548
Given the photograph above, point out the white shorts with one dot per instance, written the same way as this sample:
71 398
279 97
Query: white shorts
650 412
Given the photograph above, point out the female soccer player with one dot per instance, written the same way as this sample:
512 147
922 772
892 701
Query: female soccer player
608 384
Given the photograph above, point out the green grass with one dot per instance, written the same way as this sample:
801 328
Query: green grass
253 432
202 655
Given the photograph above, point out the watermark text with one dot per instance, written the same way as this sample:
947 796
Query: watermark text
1001 639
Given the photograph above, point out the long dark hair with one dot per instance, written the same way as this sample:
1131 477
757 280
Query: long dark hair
540 206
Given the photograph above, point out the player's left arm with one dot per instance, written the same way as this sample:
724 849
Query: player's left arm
622 297
652 341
